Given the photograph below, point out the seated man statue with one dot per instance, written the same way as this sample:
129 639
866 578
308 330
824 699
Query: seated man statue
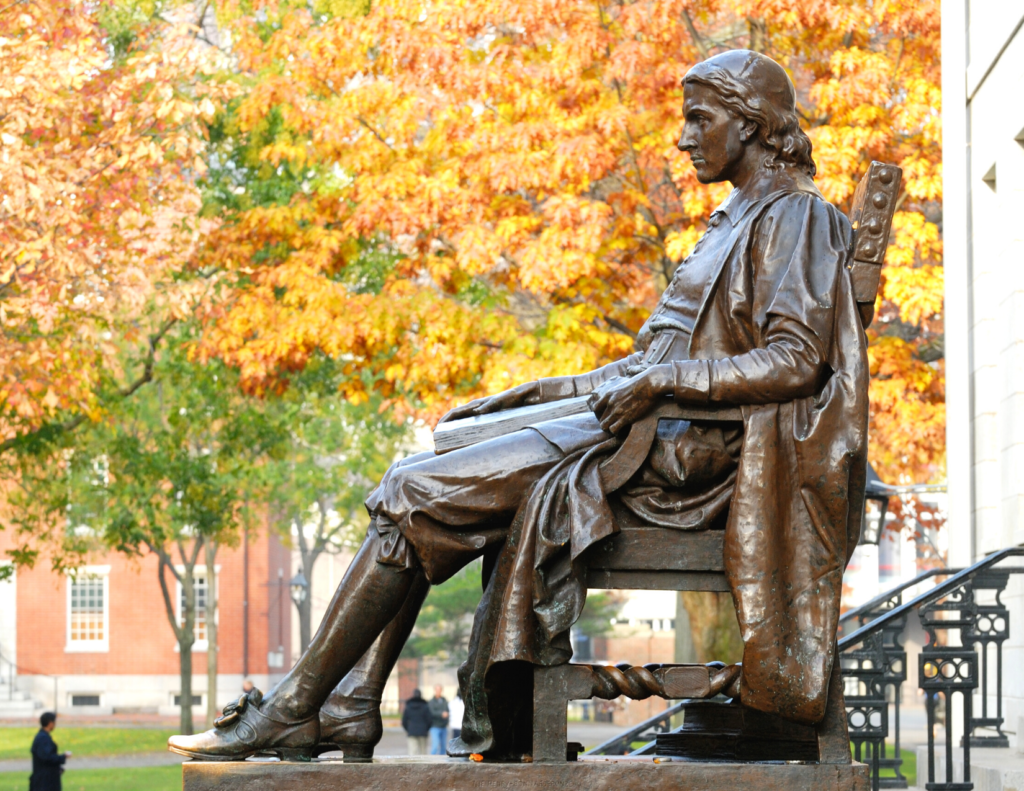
761 317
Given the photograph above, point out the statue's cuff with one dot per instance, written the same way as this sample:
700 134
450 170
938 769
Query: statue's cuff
691 381
555 388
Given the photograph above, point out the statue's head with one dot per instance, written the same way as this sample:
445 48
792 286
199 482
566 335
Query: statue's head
736 100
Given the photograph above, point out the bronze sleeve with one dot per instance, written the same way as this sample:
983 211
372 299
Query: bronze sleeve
789 367
589 382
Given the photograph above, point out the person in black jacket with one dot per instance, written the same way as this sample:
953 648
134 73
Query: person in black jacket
47 763
416 719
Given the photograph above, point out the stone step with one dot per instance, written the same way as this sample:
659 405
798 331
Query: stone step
17 709
991 769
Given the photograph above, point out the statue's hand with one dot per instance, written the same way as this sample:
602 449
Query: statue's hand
517 396
621 402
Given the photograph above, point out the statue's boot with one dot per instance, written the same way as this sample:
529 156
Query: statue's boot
286 720
350 718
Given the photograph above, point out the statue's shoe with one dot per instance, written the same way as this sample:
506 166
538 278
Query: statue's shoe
243 731
354 734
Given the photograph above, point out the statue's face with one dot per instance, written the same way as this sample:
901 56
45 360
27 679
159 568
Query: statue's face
713 135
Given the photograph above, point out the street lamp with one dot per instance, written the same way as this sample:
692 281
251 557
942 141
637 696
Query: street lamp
876 503
300 589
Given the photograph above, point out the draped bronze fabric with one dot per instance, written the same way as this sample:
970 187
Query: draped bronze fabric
796 508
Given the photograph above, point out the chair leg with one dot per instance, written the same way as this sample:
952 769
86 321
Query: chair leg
833 734
553 688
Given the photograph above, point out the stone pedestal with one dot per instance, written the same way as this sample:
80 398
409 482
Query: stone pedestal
597 774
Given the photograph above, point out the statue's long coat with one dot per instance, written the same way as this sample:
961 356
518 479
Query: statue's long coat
777 333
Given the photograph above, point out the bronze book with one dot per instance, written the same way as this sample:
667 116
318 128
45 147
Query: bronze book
471 430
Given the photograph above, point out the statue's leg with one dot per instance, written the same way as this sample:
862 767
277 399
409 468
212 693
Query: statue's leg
350 719
459 501
286 721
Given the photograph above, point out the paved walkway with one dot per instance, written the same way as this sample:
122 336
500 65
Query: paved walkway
139 761
392 743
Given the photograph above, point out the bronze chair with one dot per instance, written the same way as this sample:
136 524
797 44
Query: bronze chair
640 557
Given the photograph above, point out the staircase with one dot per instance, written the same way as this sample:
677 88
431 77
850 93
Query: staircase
992 769
14 704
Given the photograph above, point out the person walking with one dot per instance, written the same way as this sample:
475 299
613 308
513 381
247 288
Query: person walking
439 725
47 763
455 711
417 719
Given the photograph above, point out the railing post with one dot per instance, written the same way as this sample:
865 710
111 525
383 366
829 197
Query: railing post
945 669
879 663
991 626
867 710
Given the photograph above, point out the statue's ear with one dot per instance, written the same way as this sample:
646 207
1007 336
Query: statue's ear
748 131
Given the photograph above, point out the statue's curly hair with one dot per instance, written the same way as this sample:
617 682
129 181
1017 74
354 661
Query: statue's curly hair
778 126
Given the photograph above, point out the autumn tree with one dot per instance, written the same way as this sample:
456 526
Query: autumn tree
165 473
101 136
513 164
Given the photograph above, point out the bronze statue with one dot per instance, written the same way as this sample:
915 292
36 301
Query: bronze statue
761 317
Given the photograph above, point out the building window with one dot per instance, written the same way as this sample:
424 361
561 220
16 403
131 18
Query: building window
89 611
197 700
200 581
85 700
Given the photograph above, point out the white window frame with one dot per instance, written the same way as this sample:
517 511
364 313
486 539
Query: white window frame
89 646
199 646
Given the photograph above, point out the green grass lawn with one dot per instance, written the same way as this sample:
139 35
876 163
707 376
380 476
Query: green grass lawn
16 742
908 768
159 778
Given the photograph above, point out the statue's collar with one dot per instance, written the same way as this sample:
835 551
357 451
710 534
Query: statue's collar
742 200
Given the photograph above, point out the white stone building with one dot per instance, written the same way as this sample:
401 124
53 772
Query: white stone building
983 233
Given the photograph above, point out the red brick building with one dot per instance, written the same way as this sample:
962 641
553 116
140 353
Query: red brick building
102 643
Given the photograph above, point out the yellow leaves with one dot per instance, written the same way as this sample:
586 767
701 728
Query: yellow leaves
679 244
96 172
918 293
907 412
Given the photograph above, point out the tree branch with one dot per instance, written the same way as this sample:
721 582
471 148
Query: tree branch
54 429
698 42
14 276
168 604
196 549
11 5
618 325
147 368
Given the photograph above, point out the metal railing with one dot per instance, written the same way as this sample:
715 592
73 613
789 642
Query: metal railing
13 670
873 661
646 731
10 675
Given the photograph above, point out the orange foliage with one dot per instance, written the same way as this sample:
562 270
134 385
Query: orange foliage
516 159
96 190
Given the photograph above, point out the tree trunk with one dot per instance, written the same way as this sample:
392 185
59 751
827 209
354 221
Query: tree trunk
713 624
305 623
758 34
185 643
212 710
308 555
685 652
